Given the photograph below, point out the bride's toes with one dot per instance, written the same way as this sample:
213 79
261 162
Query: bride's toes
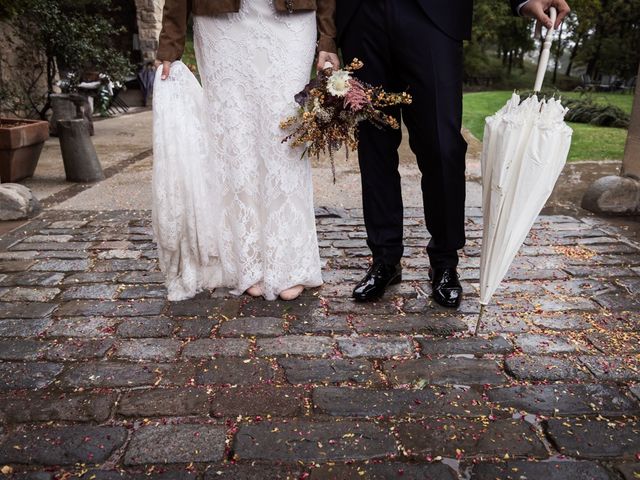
255 291
291 293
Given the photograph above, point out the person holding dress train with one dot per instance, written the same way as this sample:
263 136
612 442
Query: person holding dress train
253 56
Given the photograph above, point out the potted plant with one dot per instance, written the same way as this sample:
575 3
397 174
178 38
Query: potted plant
21 142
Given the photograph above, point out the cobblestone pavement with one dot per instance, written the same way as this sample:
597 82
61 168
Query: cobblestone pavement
102 378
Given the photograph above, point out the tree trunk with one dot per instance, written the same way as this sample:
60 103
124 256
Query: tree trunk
558 54
631 159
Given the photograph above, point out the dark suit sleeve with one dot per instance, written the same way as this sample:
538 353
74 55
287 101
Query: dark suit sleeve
174 29
326 18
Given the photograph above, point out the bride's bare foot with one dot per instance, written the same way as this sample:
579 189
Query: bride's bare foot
291 293
255 291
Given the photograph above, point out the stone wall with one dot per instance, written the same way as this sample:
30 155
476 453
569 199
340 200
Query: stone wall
149 16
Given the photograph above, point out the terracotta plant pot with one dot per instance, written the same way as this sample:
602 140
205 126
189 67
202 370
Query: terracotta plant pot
21 142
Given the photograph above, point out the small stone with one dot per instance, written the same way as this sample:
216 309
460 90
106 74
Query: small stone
29 294
119 254
26 309
176 444
48 238
17 202
375 347
32 279
216 347
23 328
21 349
78 349
61 266
155 291
110 375
195 328
146 327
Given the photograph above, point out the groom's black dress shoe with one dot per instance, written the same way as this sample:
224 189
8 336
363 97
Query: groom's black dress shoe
447 290
378 278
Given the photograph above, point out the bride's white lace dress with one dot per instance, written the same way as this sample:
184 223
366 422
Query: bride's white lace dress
233 206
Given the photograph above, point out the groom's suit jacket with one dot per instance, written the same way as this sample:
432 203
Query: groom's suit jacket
453 16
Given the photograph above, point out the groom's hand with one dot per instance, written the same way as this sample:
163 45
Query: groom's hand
539 10
324 57
166 68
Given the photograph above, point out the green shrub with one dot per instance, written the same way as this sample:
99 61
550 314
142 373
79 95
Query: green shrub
586 110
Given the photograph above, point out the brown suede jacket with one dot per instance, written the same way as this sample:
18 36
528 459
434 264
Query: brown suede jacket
176 14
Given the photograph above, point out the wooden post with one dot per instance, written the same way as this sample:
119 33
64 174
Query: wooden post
80 159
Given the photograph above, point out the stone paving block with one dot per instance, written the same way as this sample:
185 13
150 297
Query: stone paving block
233 371
581 438
110 375
259 400
46 407
562 322
252 326
130 308
613 369
176 444
308 441
348 306
299 370
522 469
26 309
21 349
141 277
164 402
361 402
544 368
252 471
477 346
629 470
216 347
72 224
621 300
156 291
619 343
119 254
61 266
543 344
375 347
195 328
146 327
157 349
91 292
24 328
43 247
90 277
77 349
635 390
31 375
426 324
135 473
454 371
62 445
300 307
295 345
319 323
384 471
444 436
29 294
82 327
565 399
202 307
48 238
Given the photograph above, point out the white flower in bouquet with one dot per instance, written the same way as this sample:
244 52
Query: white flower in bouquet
338 83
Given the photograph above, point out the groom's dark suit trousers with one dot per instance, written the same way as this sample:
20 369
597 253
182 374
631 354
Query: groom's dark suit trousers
402 49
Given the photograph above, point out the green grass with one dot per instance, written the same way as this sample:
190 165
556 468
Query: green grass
589 142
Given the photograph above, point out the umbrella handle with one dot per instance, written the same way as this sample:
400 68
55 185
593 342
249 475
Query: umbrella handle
544 55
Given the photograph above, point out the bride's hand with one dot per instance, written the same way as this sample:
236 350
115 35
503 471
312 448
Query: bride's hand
166 68
324 57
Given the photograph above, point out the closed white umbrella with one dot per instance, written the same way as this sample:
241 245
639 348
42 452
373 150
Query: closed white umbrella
525 147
